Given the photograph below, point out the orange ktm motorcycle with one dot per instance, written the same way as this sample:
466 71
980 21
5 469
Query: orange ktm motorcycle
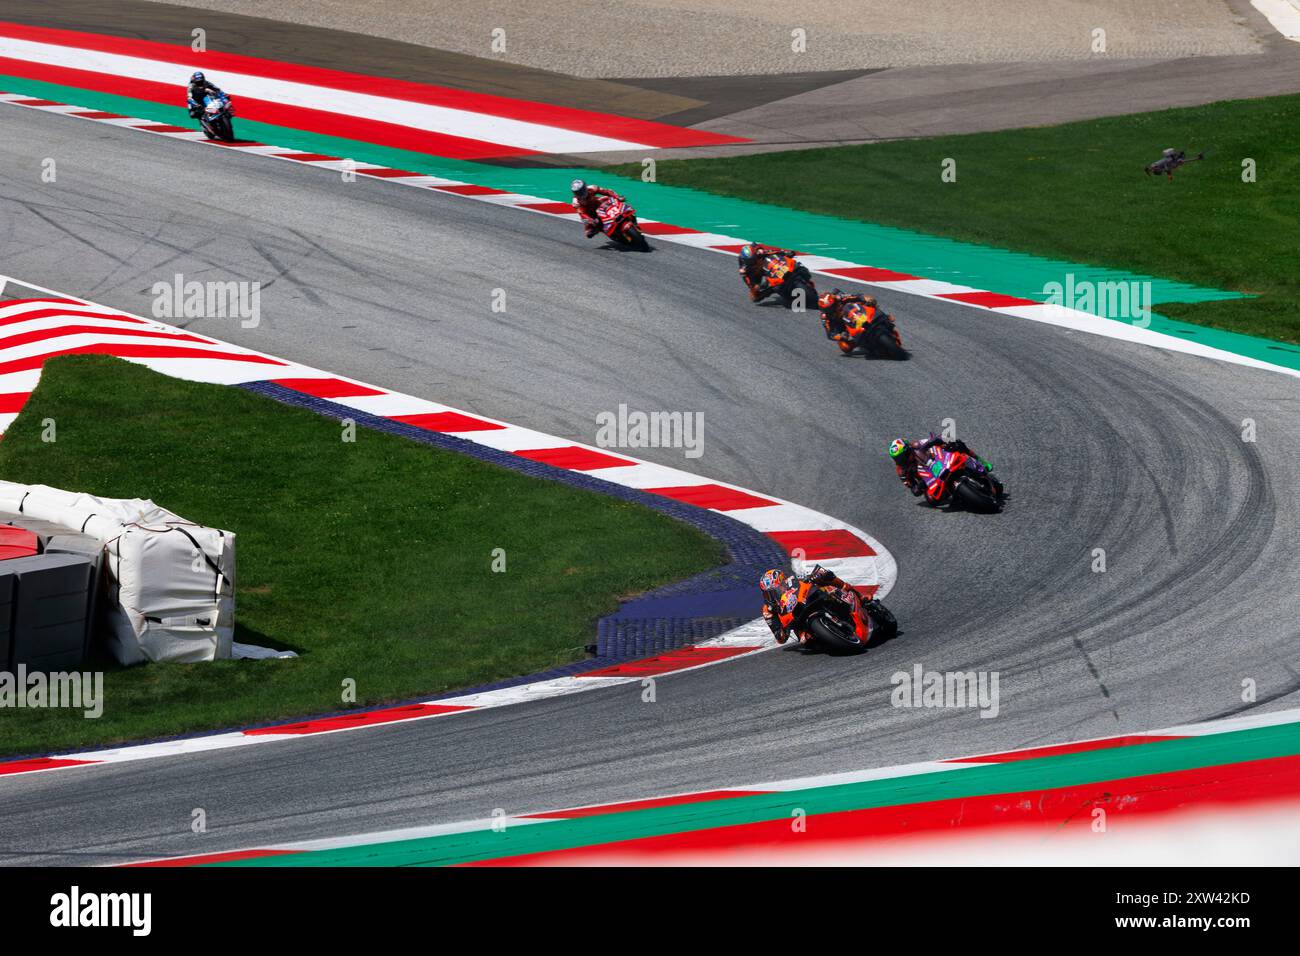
871 332
790 281
837 620
618 221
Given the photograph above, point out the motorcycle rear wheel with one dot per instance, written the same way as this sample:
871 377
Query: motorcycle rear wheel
884 624
635 238
799 293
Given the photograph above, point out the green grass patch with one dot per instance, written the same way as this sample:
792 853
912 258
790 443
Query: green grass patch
1075 192
371 559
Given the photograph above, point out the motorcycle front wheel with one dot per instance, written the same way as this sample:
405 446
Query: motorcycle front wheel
884 343
834 636
975 494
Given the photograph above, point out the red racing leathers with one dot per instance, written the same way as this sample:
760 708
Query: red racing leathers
588 205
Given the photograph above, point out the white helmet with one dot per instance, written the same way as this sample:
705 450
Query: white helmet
579 188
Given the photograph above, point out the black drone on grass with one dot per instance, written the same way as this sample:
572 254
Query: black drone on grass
1170 160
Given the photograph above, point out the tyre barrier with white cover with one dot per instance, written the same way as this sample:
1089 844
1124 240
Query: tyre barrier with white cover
169 584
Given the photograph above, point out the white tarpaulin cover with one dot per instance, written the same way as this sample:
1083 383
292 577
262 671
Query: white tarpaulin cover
170 590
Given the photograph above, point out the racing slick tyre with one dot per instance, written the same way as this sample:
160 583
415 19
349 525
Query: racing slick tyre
224 130
801 297
636 239
975 495
883 623
884 344
835 637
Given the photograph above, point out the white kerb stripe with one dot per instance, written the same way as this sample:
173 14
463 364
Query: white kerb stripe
434 119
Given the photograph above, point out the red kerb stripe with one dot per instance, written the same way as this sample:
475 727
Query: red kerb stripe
41 763
712 496
989 300
834 543
361 719
671 661
447 422
574 457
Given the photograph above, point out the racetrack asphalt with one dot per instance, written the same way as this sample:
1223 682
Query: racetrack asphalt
1102 445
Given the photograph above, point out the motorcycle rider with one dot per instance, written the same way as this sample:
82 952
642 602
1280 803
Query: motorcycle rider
921 470
587 199
751 258
783 590
835 307
198 89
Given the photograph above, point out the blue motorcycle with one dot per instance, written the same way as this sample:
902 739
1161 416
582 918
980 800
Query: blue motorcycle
215 119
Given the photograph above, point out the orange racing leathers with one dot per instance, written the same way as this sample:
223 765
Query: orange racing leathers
751 269
780 619
844 315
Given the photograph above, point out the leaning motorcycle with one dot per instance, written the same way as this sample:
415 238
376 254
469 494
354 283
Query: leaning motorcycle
872 333
970 480
618 221
791 282
837 620
215 119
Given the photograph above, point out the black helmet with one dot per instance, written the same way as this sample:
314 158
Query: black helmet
197 77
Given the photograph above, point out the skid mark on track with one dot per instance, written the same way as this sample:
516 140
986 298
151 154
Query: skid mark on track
1092 668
